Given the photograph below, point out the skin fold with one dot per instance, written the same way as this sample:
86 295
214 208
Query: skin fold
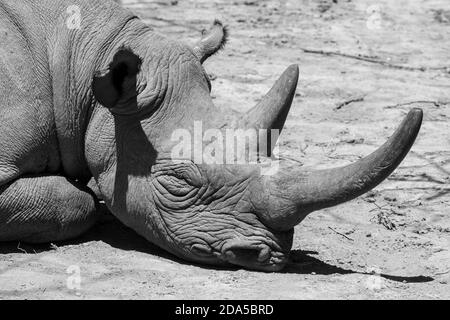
101 102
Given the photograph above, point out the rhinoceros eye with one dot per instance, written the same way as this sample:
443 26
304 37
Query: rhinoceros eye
208 81
176 186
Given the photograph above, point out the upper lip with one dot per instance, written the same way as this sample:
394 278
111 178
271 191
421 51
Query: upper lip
259 257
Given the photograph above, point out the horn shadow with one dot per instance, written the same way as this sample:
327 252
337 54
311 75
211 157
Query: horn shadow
302 262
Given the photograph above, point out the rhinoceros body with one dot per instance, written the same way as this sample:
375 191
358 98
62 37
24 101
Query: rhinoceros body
87 90
45 98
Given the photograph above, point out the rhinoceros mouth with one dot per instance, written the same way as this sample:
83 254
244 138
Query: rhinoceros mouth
261 258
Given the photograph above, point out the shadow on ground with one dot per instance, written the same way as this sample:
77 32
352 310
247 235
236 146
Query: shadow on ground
117 235
303 262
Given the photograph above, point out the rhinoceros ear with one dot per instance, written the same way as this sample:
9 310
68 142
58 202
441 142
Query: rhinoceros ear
118 81
212 41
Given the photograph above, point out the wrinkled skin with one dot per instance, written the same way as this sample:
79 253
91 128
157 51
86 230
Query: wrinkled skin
103 101
191 210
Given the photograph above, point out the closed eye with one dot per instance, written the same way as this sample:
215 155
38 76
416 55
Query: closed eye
208 81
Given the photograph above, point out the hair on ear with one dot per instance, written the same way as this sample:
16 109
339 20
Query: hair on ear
225 34
212 41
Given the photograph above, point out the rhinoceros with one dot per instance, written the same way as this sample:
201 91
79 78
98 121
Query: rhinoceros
89 92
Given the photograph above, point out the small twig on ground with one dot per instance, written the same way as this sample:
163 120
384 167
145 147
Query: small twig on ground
290 159
378 206
303 149
432 163
349 101
383 219
372 59
339 233
441 273
435 103
21 249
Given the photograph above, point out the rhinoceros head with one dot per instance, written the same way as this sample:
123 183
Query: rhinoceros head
155 92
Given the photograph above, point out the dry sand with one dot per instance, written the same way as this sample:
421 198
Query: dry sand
363 65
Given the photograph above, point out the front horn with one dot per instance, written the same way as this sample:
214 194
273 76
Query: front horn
286 198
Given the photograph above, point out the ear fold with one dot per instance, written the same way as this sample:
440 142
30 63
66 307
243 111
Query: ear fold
211 41
111 85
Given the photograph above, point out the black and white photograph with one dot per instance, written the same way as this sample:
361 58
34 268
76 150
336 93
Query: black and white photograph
220 150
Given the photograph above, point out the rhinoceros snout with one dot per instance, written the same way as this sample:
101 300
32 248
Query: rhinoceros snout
259 258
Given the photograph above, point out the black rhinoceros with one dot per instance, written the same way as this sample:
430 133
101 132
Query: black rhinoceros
87 90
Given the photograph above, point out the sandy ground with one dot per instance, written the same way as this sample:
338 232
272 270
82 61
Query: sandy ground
363 65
